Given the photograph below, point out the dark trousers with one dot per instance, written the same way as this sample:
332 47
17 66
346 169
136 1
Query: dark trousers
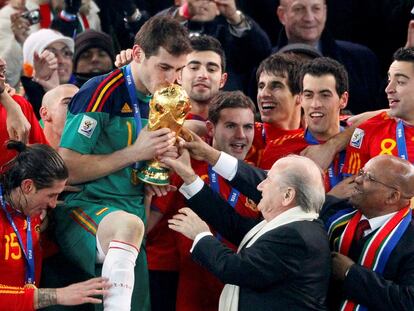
163 289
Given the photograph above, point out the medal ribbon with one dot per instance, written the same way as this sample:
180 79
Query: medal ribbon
214 183
401 143
134 101
28 255
335 169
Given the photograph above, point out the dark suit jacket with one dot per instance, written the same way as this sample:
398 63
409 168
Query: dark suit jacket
287 268
243 53
365 89
394 290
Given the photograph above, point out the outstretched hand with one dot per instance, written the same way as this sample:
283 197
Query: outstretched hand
83 292
200 150
188 223
182 164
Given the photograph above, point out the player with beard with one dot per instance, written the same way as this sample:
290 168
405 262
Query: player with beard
230 124
389 132
324 92
204 75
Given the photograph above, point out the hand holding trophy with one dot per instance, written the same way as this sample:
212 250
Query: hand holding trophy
168 108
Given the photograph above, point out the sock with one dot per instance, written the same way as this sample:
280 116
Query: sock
119 266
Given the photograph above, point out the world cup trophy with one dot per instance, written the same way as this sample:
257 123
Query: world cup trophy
168 108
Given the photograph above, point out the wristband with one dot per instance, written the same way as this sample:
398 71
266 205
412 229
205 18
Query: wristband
184 11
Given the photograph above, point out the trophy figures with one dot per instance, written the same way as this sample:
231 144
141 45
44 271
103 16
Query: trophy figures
168 108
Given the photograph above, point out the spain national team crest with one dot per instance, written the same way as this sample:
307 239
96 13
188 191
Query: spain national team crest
87 126
357 138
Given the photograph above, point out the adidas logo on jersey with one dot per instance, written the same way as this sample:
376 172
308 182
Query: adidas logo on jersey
126 109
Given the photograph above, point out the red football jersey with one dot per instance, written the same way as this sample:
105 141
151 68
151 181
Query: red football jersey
13 264
198 289
290 142
374 137
263 134
293 143
36 133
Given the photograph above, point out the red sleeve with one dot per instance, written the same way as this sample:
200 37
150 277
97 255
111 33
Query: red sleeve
14 298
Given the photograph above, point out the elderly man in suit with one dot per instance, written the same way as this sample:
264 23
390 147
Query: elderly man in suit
282 262
372 235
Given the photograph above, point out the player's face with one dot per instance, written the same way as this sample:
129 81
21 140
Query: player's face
304 20
234 131
158 70
322 104
40 200
202 77
400 90
64 57
59 108
275 100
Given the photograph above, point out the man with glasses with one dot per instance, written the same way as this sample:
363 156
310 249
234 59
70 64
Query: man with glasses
371 236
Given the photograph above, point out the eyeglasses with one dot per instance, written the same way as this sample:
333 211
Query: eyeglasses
368 176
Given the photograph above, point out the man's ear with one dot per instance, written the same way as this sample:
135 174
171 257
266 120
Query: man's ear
27 186
298 99
223 80
44 114
344 100
180 77
138 54
280 12
210 128
393 198
288 196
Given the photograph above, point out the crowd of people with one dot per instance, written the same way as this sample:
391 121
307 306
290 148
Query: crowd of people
290 184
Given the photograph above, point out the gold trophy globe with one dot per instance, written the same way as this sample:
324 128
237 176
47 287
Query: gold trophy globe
168 108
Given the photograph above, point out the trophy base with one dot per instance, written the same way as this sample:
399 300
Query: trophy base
157 176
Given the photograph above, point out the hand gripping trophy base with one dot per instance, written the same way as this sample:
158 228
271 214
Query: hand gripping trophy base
168 108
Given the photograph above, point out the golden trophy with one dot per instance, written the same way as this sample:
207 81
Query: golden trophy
168 108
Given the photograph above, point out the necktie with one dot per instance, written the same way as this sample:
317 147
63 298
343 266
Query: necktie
359 232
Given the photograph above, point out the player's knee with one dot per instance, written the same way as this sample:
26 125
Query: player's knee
134 225
121 226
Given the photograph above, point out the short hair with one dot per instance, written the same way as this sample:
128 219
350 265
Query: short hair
223 100
163 31
208 43
308 182
404 55
38 162
282 65
326 66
